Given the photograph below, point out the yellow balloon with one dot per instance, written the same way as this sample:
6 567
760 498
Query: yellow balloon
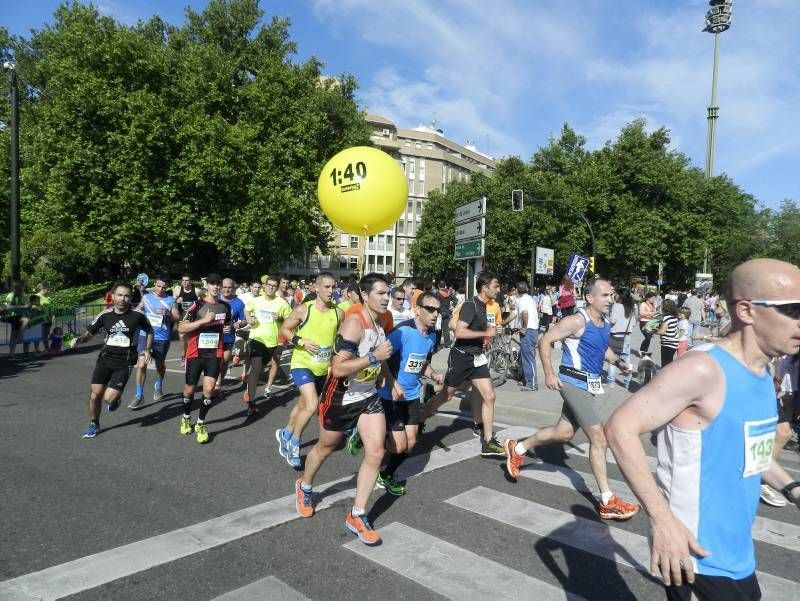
362 190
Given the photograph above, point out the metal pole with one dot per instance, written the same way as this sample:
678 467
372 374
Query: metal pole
14 216
582 216
713 113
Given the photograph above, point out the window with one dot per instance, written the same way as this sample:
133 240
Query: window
401 248
370 262
354 241
418 144
401 226
343 261
353 263
343 239
389 242
411 187
403 164
389 263
409 227
421 189
402 268
325 262
313 262
422 170
380 262
412 168
419 209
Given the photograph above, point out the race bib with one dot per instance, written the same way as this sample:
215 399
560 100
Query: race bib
185 305
208 340
265 316
415 363
155 319
759 438
479 360
594 384
323 355
119 339
490 318
368 374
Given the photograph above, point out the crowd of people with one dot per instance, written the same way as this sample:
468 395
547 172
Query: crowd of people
361 357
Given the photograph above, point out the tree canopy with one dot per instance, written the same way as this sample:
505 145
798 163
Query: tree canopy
165 146
644 200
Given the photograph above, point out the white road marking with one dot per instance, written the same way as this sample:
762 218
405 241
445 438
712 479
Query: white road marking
266 589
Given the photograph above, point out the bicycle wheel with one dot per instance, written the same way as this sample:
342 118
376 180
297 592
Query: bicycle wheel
499 362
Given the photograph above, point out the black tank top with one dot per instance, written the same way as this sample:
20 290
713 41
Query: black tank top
187 298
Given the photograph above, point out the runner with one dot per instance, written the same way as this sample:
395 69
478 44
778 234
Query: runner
350 399
243 333
312 327
584 337
203 323
398 309
351 297
714 411
238 319
118 355
160 310
476 324
264 314
184 294
413 342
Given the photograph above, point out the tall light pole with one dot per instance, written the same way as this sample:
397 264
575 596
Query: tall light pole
14 215
718 19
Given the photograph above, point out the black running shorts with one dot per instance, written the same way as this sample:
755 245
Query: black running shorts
340 418
112 376
461 367
716 588
400 414
208 366
259 349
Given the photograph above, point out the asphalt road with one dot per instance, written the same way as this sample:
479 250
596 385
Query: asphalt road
141 512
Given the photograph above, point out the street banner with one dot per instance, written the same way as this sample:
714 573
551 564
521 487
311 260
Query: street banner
545 258
576 268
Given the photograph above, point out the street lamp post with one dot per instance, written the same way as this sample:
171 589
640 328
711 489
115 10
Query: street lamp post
718 19
14 214
581 215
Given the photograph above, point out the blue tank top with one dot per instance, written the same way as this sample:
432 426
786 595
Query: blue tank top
586 352
161 322
708 475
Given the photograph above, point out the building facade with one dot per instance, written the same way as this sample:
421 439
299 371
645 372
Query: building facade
431 162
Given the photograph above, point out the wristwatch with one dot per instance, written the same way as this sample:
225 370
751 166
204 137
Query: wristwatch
786 491
372 358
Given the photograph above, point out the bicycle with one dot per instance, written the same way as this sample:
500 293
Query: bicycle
503 357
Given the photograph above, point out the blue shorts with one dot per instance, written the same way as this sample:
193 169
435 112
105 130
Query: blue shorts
160 348
301 376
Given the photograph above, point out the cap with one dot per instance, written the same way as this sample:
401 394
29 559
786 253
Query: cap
213 278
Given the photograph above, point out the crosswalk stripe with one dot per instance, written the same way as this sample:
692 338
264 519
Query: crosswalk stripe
582 450
774 532
597 538
98 569
451 571
266 589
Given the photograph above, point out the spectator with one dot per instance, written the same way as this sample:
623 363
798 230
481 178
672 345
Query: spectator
16 311
696 306
445 311
647 311
621 318
43 290
566 297
669 332
545 310
684 328
528 319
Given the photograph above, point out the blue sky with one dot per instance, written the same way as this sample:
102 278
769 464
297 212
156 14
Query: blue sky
506 74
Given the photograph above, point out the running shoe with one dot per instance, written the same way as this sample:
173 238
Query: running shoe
186 426
202 433
158 394
303 500
252 411
361 527
136 403
477 430
293 454
770 496
617 509
513 459
281 443
492 448
392 486
91 431
354 444
267 391
114 405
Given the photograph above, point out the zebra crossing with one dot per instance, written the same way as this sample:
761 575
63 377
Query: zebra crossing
557 542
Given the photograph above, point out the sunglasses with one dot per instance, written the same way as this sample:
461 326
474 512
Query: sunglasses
789 308
430 309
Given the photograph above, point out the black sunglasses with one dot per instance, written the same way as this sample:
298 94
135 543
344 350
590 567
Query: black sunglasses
430 309
790 309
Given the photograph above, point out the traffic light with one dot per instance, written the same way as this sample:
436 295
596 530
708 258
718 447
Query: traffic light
591 264
516 200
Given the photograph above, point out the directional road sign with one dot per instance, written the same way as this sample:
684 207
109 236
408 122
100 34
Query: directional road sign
471 249
471 229
471 210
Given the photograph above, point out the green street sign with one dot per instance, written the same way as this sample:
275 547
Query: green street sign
471 249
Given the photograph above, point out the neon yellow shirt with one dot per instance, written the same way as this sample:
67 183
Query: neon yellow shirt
268 314
321 327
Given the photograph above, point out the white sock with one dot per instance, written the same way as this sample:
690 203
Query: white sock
605 497
519 449
357 511
199 421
